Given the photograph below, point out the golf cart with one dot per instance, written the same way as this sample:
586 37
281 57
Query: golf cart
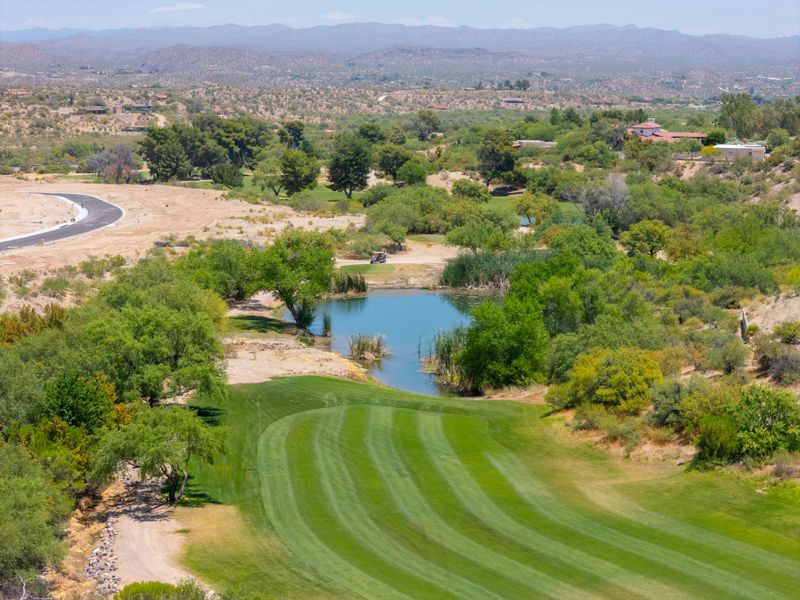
378 258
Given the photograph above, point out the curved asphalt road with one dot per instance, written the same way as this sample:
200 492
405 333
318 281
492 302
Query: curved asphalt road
99 214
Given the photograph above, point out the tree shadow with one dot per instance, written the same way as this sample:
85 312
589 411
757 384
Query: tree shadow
257 324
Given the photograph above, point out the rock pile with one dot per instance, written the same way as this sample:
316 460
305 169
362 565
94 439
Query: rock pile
102 562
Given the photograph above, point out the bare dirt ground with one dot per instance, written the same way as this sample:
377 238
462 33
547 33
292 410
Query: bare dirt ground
21 214
445 179
153 213
413 253
148 540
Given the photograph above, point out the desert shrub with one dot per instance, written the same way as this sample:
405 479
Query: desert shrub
590 417
767 420
716 441
305 202
766 350
377 193
785 369
363 244
625 430
471 189
788 332
729 357
706 399
55 287
156 590
619 379
666 397
786 466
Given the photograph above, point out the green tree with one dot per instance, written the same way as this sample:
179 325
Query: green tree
292 134
777 137
31 513
646 237
226 267
495 154
534 208
391 157
298 269
478 234
170 162
227 174
715 136
299 171
372 132
466 188
80 401
598 154
350 163
739 113
160 442
426 124
413 171
267 174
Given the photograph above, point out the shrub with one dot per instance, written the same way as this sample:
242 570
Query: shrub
343 283
471 189
788 332
447 347
55 287
785 369
706 399
717 441
667 396
619 379
487 269
767 420
362 245
156 590
729 357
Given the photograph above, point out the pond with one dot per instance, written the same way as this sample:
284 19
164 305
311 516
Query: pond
408 320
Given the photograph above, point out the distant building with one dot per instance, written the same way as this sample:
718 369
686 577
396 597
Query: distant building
533 144
438 107
650 131
513 100
18 93
734 151
94 110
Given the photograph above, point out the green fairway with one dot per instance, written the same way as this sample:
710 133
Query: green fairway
354 490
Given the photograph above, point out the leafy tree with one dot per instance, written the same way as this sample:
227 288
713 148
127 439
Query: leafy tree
268 175
597 155
646 237
685 242
226 267
413 171
391 157
299 171
716 136
160 442
426 124
291 134
227 174
350 163
394 231
31 512
298 269
777 137
594 250
506 345
170 162
495 154
534 208
466 188
739 113
478 234
372 132
80 401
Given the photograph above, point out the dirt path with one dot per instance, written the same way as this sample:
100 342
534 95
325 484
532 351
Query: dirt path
148 541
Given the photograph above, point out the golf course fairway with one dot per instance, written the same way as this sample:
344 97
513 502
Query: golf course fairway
346 489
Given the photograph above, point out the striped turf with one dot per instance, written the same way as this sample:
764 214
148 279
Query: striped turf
377 494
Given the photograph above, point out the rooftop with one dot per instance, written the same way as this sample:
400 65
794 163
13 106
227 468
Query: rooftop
725 146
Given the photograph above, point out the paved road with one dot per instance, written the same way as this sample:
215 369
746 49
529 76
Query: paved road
99 214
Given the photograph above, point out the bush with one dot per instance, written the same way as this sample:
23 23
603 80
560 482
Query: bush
447 348
785 369
706 399
717 441
788 332
618 379
667 396
729 357
156 590
344 283
767 420
367 347
362 245
487 269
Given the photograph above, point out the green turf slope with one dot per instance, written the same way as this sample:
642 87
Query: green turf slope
358 491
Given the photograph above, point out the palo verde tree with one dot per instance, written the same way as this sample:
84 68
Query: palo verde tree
646 237
350 163
159 442
298 269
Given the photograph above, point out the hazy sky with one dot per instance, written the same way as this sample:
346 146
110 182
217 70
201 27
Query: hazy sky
761 18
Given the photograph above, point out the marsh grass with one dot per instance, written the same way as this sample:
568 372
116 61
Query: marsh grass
368 347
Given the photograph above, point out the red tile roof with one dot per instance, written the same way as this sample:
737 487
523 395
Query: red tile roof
646 125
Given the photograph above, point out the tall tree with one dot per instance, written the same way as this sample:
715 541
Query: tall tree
159 442
739 113
495 154
391 157
298 171
349 167
426 123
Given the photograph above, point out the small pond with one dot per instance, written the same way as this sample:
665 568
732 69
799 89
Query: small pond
408 320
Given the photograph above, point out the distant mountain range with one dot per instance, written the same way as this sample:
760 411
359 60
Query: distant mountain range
382 52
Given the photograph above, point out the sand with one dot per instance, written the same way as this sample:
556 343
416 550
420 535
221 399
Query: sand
23 213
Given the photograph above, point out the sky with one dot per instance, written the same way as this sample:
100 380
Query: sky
757 18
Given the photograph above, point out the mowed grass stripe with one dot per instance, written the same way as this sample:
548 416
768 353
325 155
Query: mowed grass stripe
370 483
284 508
705 574
412 501
331 457
478 501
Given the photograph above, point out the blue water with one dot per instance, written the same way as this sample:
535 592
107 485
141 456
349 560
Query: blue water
408 320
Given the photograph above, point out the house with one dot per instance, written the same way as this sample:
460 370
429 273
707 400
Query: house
94 110
650 131
734 151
